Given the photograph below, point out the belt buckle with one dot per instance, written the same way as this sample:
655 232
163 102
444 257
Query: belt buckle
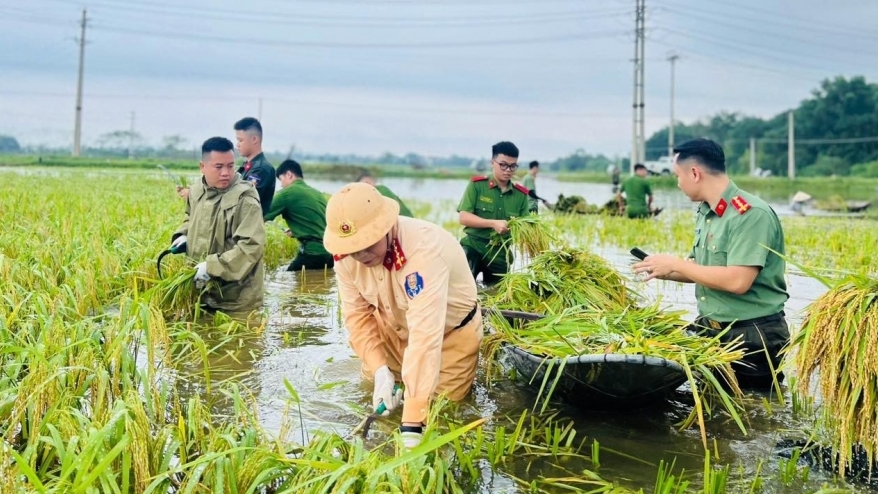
714 324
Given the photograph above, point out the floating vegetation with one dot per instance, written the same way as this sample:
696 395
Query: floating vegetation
837 347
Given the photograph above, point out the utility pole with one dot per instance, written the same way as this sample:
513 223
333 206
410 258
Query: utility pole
791 146
638 151
752 155
673 59
131 138
77 127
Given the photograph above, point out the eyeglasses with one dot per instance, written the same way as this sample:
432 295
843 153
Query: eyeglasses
508 167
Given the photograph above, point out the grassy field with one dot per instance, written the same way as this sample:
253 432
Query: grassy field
96 364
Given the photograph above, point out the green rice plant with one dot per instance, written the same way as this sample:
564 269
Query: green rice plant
648 331
530 235
836 347
668 483
563 278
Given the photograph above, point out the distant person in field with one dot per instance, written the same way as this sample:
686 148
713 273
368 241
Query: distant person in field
304 210
530 183
256 170
223 231
638 194
367 178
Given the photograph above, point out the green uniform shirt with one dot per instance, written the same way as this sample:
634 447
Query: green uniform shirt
530 183
304 209
730 237
260 173
484 199
403 210
636 189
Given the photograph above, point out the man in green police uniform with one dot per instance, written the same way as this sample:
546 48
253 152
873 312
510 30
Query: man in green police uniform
256 170
487 204
304 209
530 183
638 194
367 178
739 279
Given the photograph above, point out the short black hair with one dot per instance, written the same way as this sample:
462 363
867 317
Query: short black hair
364 175
218 144
504 147
534 164
249 124
639 166
705 152
290 166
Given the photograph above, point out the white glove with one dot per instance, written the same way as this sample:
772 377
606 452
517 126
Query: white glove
411 439
201 276
384 391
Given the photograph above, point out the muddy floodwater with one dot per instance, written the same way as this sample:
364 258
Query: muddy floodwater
305 343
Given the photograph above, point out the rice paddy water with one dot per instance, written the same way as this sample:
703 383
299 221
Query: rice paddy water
113 382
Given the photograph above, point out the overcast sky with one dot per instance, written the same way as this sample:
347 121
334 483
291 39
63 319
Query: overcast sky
436 77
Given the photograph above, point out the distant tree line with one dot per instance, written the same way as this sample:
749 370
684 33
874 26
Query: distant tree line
840 109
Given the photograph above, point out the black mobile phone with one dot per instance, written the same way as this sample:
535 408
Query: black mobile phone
638 253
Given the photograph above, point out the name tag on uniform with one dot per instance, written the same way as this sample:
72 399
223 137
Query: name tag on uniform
487 199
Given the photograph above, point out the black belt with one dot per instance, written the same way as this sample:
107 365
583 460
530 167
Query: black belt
469 317
717 325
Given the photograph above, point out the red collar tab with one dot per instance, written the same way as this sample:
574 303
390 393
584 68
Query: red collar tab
247 166
338 257
721 207
395 258
740 204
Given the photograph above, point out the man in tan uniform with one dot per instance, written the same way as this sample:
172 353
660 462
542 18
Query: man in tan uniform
409 302
223 230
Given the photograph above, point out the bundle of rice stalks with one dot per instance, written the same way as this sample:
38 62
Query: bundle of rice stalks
529 234
575 205
839 338
561 279
647 331
176 295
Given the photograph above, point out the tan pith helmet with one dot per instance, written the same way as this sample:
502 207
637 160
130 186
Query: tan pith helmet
357 216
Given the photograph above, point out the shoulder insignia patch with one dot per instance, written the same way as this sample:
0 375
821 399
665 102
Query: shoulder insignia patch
254 179
721 207
522 188
414 283
740 204
479 178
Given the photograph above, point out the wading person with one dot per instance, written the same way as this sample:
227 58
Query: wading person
638 194
530 183
256 170
223 231
409 303
739 280
487 204
367 178
304 209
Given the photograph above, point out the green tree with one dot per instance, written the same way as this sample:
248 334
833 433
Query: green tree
9 144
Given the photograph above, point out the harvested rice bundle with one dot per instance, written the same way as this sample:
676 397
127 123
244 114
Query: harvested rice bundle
529 234
557 280
647 331
838 346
